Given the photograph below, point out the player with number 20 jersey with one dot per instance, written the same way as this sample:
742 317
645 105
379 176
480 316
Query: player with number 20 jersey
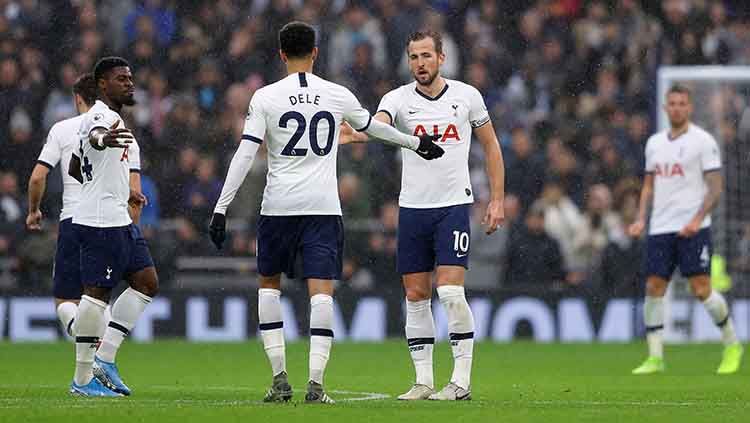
298 119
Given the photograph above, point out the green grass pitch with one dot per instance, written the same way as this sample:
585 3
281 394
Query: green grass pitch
520 382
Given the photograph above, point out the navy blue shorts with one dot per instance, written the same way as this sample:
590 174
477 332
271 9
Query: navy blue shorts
110 255
429 237
66 273
318 239
664 252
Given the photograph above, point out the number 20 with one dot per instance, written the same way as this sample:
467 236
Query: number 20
290 150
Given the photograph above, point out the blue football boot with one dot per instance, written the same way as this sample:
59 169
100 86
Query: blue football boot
93 389
108 374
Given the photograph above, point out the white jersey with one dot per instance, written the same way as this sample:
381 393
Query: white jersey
298 117
106 173
62 142
453 114
678 166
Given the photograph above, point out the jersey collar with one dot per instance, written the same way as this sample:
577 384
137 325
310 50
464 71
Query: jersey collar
437 97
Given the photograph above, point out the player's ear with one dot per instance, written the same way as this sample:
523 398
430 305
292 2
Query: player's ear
314 54
283 56
441 58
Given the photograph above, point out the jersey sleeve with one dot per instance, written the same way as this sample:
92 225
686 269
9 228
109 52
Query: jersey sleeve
478 115
255 122
710 156
100 119
356 115
389 104
134 157
52 150
649 155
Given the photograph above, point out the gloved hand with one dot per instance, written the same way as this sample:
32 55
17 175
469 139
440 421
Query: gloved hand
218 229
427 149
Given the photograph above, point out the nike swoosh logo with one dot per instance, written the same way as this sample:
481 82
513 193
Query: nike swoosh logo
459 255
412 112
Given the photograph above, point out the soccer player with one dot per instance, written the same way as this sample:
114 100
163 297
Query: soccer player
112 247
62 141
435 202
683 180
299 118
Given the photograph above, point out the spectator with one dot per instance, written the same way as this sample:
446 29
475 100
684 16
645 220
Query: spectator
620 273
201 194
488 253
534 260
524 175
357 26
561 218
598 226
163 18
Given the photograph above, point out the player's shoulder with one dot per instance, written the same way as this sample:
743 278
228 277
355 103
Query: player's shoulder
700 134
460 87
66 126
100 114
657 138
402 94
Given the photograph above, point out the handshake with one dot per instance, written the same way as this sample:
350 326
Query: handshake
427 148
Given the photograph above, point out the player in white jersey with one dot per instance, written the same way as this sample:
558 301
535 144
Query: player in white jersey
298 118
62 142
112 247
683 181
435 203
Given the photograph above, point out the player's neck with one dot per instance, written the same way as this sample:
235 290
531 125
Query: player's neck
676 131
297 66
434 88
111 104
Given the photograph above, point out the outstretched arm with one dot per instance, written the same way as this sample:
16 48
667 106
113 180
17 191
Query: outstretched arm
495 167
348 135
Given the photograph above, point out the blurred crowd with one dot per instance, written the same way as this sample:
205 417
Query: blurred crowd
569 83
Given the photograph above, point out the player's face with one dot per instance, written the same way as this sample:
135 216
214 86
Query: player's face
678 108
119 86
424 60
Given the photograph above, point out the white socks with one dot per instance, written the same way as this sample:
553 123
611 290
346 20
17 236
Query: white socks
321 334
420 336
272 328
717 307
88 325
66 313
125 313
461 329
653 318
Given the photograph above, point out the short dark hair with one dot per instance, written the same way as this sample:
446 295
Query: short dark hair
680 89
106 64
297 39
85 86
421 35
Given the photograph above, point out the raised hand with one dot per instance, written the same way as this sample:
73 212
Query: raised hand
117 137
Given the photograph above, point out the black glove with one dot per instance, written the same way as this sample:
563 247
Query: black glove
218 229
427 149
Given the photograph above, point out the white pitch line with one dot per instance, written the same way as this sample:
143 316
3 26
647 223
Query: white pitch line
362 396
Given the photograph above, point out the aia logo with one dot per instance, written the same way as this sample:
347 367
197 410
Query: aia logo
669 170
451 132
124 157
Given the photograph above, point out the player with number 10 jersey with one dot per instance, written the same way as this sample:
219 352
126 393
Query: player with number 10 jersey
298 119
